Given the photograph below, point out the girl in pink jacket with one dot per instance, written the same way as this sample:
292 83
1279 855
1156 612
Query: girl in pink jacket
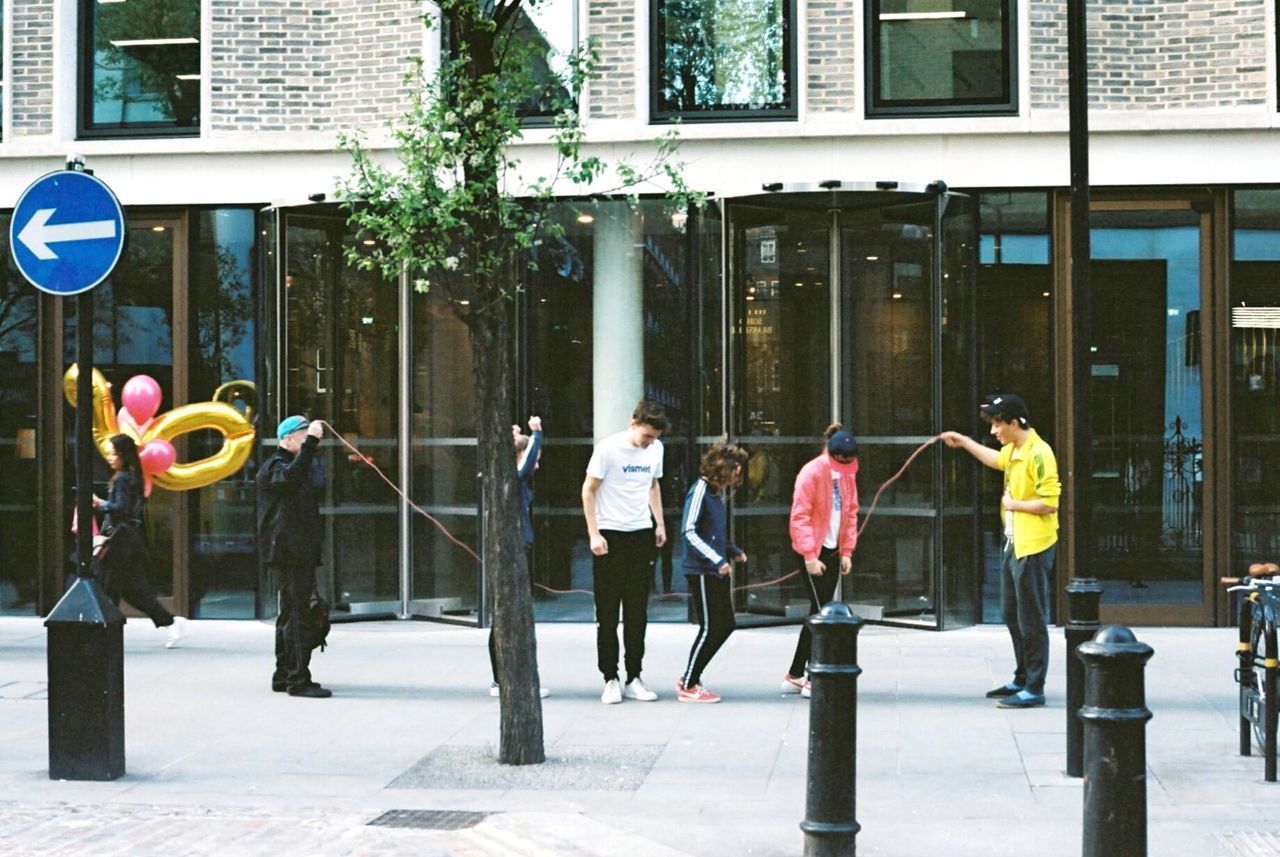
824 531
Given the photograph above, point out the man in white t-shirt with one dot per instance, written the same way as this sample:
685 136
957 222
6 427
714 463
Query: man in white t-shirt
623 507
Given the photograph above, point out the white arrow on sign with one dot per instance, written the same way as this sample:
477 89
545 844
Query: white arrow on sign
38 234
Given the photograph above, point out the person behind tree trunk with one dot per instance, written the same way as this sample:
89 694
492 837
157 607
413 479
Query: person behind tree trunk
1029 509
622 503
528 452
708 559
122 568
290 485
824 532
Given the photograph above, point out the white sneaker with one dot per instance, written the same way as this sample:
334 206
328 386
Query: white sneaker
175 632
791 684
495 691
805 691
612 692
636 689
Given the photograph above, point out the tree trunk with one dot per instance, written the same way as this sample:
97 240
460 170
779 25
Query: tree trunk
520 727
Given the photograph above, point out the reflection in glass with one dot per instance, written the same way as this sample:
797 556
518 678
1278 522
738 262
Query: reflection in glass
143 59
19 569
1255 379
223 567
722 56
1146 397
544 35
941 54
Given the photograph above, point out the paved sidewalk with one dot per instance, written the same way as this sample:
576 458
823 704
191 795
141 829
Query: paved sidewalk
220 765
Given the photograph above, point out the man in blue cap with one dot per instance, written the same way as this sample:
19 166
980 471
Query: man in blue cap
290 485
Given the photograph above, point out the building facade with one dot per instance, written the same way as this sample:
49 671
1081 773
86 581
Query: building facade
886 242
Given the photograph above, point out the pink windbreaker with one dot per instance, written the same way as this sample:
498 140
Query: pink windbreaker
811 507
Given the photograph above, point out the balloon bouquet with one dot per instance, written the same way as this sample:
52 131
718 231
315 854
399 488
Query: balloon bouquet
140 400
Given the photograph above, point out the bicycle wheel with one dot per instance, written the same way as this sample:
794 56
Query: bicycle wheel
1258 650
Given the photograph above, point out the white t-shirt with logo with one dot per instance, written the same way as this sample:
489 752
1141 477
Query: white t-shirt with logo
833 528
625 472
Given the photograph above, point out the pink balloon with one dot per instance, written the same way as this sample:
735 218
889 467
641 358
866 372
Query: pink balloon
141 395
130 425
157 456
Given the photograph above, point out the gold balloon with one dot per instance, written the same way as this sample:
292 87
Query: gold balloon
238 391
236 430
105 425
237 443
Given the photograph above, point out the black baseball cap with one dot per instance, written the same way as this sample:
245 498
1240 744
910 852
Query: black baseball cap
843 444
1006 407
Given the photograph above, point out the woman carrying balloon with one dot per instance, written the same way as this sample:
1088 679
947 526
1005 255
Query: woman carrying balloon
121 564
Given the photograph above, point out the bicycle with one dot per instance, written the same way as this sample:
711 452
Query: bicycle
1259 661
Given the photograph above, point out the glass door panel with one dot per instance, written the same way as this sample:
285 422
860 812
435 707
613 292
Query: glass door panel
887 356
342 328
1146 397
782 277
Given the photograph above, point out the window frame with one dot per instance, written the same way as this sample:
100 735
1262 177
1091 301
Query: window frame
876 109
790 61
85 129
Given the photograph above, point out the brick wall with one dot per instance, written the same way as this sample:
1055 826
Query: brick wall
1155 54
30 81
611 23
303 65
834 46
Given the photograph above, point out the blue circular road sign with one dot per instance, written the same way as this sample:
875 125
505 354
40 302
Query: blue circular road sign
67 232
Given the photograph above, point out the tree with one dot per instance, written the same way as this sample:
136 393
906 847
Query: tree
455 214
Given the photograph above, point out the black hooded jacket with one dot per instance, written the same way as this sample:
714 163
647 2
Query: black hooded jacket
289 491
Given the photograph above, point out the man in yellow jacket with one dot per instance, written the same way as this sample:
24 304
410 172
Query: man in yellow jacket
1029 511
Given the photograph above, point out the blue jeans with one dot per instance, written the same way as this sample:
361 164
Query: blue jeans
1024 605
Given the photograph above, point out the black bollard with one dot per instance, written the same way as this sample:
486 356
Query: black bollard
1115 750
1083 597
830 828
1245 677
86 685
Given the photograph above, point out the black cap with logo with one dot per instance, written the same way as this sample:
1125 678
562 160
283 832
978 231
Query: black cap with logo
1006 407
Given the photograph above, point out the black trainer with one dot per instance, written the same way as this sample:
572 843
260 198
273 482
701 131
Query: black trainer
1002 691
279 686
312 691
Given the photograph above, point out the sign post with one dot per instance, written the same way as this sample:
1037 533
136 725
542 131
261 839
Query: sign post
66 236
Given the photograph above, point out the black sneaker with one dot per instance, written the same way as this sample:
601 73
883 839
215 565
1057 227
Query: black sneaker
279 685
1003 691
312 691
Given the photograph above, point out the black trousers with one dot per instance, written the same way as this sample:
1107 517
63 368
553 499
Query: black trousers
820 591
293 655
122 573
1024 605
621 578
713 603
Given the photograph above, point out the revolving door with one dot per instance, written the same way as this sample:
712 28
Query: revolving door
855 303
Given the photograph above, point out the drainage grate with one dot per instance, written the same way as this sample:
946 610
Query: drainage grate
428 819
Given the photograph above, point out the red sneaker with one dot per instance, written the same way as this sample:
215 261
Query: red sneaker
697 693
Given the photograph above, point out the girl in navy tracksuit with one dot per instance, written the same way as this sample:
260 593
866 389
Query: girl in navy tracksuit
708 559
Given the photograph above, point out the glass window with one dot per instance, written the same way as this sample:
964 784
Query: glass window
140 67
940 56
1255 378
1014 300
536 58
19 569
723 59
224 562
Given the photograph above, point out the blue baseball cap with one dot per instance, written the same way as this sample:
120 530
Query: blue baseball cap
291 424
843 444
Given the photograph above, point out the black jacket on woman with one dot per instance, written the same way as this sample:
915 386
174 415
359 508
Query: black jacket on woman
122 568
289 490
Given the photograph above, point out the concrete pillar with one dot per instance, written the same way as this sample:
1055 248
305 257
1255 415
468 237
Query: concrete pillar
617 288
